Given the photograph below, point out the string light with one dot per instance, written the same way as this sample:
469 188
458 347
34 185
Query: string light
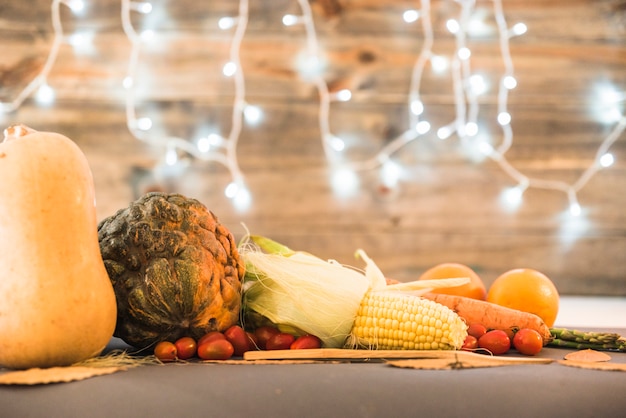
46 93
213 148
467 85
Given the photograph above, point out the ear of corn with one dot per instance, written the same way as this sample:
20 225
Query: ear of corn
388 320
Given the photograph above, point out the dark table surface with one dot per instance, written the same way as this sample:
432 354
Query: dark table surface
357 389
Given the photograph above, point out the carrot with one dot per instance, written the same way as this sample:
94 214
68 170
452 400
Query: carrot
492 316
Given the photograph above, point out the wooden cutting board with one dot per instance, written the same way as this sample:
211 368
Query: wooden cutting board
329 354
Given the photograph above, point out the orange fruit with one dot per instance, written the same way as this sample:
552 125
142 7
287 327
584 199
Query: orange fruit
475 289
526 290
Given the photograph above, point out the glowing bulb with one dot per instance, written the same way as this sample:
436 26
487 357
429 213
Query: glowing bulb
471 129
444 132
229 69
290 20
478 84
574 209
486 148
464 53
607 160
345 182
509 82
343 95
504 118
141 7
226 22
410 16
144 123
203 145
390 173
128 82
513 196
417 107
45 95
171 156
439 63
337 143
76 6
231 190
147 35
253 114
519 29
453 26
242 198
422 127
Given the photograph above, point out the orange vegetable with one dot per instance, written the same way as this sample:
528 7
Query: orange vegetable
492 316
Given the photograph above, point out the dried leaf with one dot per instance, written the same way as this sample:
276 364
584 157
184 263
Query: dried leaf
588 355
617 367
37 376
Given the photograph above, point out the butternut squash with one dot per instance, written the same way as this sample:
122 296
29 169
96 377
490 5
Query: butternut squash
57 304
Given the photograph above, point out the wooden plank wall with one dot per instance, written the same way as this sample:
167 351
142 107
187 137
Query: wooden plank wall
447 206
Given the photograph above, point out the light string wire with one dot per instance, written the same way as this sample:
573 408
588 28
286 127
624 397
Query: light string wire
226 148
40 81
464 125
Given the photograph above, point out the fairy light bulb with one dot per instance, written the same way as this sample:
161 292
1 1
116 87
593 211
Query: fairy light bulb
45 95
76 6
345 182
417 107
242 200
410 16
252 114
343 95
336 143
606 160
231 190
171 156
290 20
575 209
504 118
226 22
509 82
453 26
519 29
144 123
127 82
439 63
422 127
444 132
390 173
478 84
229 69
471 129
464 53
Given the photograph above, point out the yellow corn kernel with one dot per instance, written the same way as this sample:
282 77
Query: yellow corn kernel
388 320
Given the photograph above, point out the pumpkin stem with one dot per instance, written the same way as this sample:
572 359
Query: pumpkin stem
16 131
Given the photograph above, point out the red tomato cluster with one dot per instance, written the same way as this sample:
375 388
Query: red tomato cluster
497 342
235 341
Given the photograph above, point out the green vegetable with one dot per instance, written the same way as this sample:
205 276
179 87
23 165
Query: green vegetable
602 341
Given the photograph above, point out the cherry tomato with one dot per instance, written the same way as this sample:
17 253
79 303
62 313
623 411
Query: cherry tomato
496 341
470 343
306 342
210 336
264 333
280 341
185 348
476 330
528 341
239 339
165 351
217 349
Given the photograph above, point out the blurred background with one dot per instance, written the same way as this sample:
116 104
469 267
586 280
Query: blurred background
488 133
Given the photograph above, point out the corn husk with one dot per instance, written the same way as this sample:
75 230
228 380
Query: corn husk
302 293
